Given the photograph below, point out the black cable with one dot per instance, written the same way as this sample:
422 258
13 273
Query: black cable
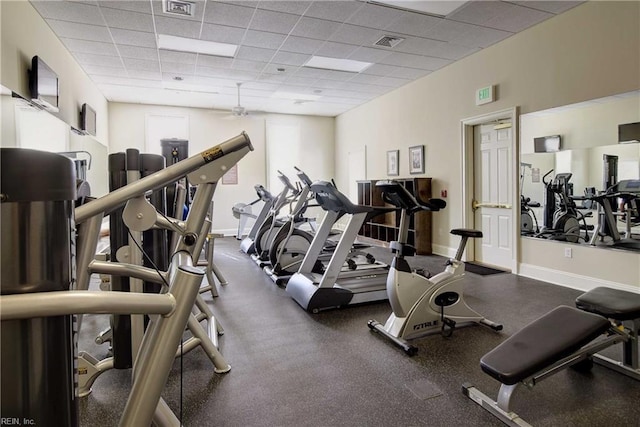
155 267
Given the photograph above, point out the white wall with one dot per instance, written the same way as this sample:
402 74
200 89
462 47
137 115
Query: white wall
588 52
206 129
25 34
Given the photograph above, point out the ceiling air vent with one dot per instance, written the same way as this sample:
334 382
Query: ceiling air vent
179 7
389 41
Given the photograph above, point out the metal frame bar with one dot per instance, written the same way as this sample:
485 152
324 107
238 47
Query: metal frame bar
153 362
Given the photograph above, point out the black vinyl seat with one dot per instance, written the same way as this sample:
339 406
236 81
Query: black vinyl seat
552 337
466 232
611 303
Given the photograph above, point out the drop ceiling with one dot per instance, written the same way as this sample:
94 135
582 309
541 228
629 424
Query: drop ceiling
115 42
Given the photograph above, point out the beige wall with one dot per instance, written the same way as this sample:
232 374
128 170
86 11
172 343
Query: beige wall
207 129
25 34
589 52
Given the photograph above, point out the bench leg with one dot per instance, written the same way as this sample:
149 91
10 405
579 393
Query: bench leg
499 409
630 365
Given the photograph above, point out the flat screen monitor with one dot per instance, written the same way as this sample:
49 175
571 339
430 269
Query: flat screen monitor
88 119
547 144
43 85
628 133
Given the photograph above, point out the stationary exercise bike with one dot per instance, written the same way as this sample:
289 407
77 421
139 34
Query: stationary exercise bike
423 306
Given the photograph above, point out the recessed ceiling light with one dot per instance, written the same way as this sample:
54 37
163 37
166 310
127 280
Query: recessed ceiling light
295 96
439 8
337 64
183 44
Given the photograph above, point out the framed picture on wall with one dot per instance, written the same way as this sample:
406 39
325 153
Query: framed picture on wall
416 159
392 162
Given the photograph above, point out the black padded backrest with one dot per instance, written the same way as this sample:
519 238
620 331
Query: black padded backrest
330 199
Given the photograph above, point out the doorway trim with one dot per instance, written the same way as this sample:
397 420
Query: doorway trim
467 141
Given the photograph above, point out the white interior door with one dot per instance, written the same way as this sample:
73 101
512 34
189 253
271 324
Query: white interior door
493 214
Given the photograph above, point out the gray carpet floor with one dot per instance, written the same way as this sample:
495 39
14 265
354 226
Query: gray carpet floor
292 368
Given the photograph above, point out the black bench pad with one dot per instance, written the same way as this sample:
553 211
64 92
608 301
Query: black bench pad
611 303
546 340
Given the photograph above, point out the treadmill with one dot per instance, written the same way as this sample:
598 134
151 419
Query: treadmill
335 287
629 191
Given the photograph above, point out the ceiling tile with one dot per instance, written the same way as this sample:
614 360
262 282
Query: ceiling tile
262 85
133 38
481 37
234 15
116 18
177 27
289 6
419 46
415 61
125 81
133 6
171 56
148 75
336 50
392 81
446 30
214 61
301 45
274 22
138 52
415 24
315 28
87 46
337 11
263 39
274 68
479 12
327 84
300 81
69 11
549 6
141 64
178 68
244 65
221 34
102 60
73 30
364 79
454 51
369 54
517 18
290 58
105 71
408 73
255 54
379 69
353 34
374 16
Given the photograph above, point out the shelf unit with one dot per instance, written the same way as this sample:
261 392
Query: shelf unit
384 228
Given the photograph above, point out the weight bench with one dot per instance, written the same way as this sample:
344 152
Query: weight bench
562 338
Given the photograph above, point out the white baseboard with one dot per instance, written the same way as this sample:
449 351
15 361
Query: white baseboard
444 251
569 280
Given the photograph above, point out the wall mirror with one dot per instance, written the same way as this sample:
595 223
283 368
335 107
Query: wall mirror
25 125
588 133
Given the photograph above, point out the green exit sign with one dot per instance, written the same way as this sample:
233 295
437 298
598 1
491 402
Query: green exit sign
484 95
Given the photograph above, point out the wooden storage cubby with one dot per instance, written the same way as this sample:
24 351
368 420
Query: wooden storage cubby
385 227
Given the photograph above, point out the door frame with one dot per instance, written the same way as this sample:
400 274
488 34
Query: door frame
467 141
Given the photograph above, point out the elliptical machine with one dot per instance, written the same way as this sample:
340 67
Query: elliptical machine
423 306
561 216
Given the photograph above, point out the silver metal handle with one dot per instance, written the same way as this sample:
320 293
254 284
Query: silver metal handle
475 205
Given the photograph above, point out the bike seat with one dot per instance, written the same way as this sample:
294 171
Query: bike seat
466 232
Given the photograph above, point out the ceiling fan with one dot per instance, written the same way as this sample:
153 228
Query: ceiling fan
239 110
